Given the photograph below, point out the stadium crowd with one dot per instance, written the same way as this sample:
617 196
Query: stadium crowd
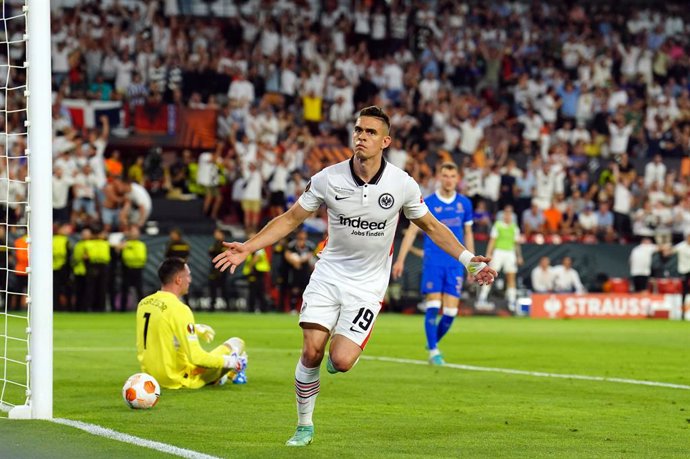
576 115
551 108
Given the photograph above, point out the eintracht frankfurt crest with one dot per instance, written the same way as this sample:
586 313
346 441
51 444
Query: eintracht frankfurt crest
386 200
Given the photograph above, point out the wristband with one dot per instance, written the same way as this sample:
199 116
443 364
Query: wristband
473 267
466 258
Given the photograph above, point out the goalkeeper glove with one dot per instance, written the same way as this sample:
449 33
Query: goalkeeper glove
205 332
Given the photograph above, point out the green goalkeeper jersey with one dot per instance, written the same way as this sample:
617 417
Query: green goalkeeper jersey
168 347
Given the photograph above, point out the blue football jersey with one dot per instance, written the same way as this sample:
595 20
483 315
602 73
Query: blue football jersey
455 215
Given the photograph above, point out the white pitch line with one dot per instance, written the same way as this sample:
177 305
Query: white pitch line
538 374
94 429
457 366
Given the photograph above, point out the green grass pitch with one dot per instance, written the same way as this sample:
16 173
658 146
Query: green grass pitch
384 408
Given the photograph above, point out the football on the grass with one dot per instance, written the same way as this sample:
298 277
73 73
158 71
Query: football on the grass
141 391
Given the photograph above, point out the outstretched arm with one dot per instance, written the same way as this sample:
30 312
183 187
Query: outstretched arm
276 229
406 245
446 240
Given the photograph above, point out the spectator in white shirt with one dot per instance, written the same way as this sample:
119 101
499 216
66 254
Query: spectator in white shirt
655 171
208 176
84 190
566 279
428 88
277 186
251 198
542 276
531 128
396 154
622 205
288 82
339 115
641 263
138 206
393 74
472 134
241 92
619 135
125 67
682 250
549 105
61 187
60 59
681 217
491 188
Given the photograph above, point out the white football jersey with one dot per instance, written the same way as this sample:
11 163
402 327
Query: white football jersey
362 218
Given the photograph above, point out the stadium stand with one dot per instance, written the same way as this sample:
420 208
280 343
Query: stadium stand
564 105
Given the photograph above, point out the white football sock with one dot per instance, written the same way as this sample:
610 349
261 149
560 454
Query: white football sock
434 352
511 295
307 385
484 292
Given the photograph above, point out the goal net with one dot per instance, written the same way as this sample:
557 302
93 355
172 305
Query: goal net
25 210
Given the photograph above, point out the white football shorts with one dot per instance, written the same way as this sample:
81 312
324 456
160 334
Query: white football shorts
504 260
340 310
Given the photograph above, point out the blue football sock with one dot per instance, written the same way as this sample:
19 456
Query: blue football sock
443 326
430 327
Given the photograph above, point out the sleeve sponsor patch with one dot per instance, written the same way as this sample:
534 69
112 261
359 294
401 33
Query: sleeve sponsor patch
190 329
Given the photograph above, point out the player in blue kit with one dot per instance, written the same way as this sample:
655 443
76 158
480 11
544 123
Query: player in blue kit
442 275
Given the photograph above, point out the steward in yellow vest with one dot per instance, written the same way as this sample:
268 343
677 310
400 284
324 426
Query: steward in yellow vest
97 266
133 254
80 257
255 268
61 268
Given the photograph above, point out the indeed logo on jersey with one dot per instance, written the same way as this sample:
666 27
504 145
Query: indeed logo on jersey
362 225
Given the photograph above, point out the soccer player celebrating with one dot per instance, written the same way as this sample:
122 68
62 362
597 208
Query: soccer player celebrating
442 275
168 339
364 196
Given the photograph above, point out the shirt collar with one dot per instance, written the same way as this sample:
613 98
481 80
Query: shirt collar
374 180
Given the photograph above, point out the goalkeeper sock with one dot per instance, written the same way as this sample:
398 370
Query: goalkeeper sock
430 317
307 385
446 321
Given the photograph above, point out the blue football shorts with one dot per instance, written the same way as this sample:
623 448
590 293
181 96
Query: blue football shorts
441 279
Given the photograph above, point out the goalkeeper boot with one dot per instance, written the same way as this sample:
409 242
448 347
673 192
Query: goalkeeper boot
240 378
241 362
304 435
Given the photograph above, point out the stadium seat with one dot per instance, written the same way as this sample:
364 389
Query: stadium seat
670 285
619 285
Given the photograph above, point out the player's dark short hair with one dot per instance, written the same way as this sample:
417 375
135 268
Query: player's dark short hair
376 112
169 268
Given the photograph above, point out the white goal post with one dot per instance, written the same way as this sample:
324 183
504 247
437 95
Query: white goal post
38 403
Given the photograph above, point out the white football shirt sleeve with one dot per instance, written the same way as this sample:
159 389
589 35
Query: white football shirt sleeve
314 194
413 204
494 231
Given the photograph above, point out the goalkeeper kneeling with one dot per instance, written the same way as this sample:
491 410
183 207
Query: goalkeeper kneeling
168 345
